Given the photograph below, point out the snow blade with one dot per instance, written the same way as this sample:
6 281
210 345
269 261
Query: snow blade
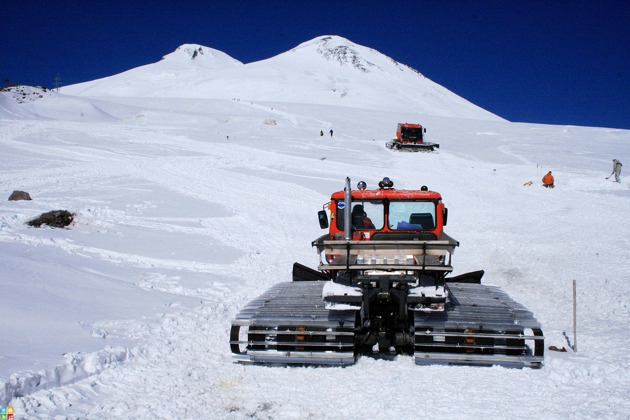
471 277
304 273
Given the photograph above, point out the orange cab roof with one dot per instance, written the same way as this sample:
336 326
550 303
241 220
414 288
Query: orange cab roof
389 193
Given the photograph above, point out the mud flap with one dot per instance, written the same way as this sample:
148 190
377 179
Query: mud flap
472 277
304 273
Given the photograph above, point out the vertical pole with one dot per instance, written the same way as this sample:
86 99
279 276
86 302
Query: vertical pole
347 211
574 318
347 219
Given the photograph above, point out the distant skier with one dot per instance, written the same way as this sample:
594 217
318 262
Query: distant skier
616 170
548 180
331 133
321 133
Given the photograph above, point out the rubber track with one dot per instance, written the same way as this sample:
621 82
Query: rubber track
481 325
289 324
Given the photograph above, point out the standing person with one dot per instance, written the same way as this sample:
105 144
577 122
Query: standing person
331 133
548 180
321 133
616 170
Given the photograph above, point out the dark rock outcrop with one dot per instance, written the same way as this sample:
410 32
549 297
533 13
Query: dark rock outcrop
55 218
19 195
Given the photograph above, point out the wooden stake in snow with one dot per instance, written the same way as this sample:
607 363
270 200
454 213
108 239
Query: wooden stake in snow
574 319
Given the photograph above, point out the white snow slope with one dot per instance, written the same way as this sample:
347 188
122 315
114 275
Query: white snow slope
327 70
186 208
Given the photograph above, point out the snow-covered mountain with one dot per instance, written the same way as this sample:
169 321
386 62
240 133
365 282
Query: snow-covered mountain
188 203
187 65
327 70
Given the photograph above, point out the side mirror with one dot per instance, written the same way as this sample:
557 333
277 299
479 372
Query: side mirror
444 216
323 219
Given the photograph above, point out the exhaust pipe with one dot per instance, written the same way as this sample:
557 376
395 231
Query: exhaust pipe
347 211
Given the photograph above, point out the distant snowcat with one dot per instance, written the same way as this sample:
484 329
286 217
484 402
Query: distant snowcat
411 137
382 289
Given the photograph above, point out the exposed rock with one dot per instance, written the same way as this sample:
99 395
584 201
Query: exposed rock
55 218
344 54
19 195
26 93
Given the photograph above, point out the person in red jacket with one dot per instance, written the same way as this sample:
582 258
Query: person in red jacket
548 180
360 219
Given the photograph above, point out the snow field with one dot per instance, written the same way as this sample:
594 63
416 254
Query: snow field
188 208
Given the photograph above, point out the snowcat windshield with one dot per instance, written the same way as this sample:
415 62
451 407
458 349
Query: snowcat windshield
366 215
411 133
411 215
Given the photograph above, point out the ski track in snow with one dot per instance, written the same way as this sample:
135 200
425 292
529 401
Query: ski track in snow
249 211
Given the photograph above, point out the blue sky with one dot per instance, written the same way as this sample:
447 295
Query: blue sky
552 62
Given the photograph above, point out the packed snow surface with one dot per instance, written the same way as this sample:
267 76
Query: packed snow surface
187 207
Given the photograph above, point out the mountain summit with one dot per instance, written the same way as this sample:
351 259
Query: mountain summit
345 52
186 65
208 57
328 70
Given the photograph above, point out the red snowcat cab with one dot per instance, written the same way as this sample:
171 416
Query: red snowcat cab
411 137
383 287
387 213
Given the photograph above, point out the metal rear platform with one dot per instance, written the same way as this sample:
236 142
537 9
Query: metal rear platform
481 325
